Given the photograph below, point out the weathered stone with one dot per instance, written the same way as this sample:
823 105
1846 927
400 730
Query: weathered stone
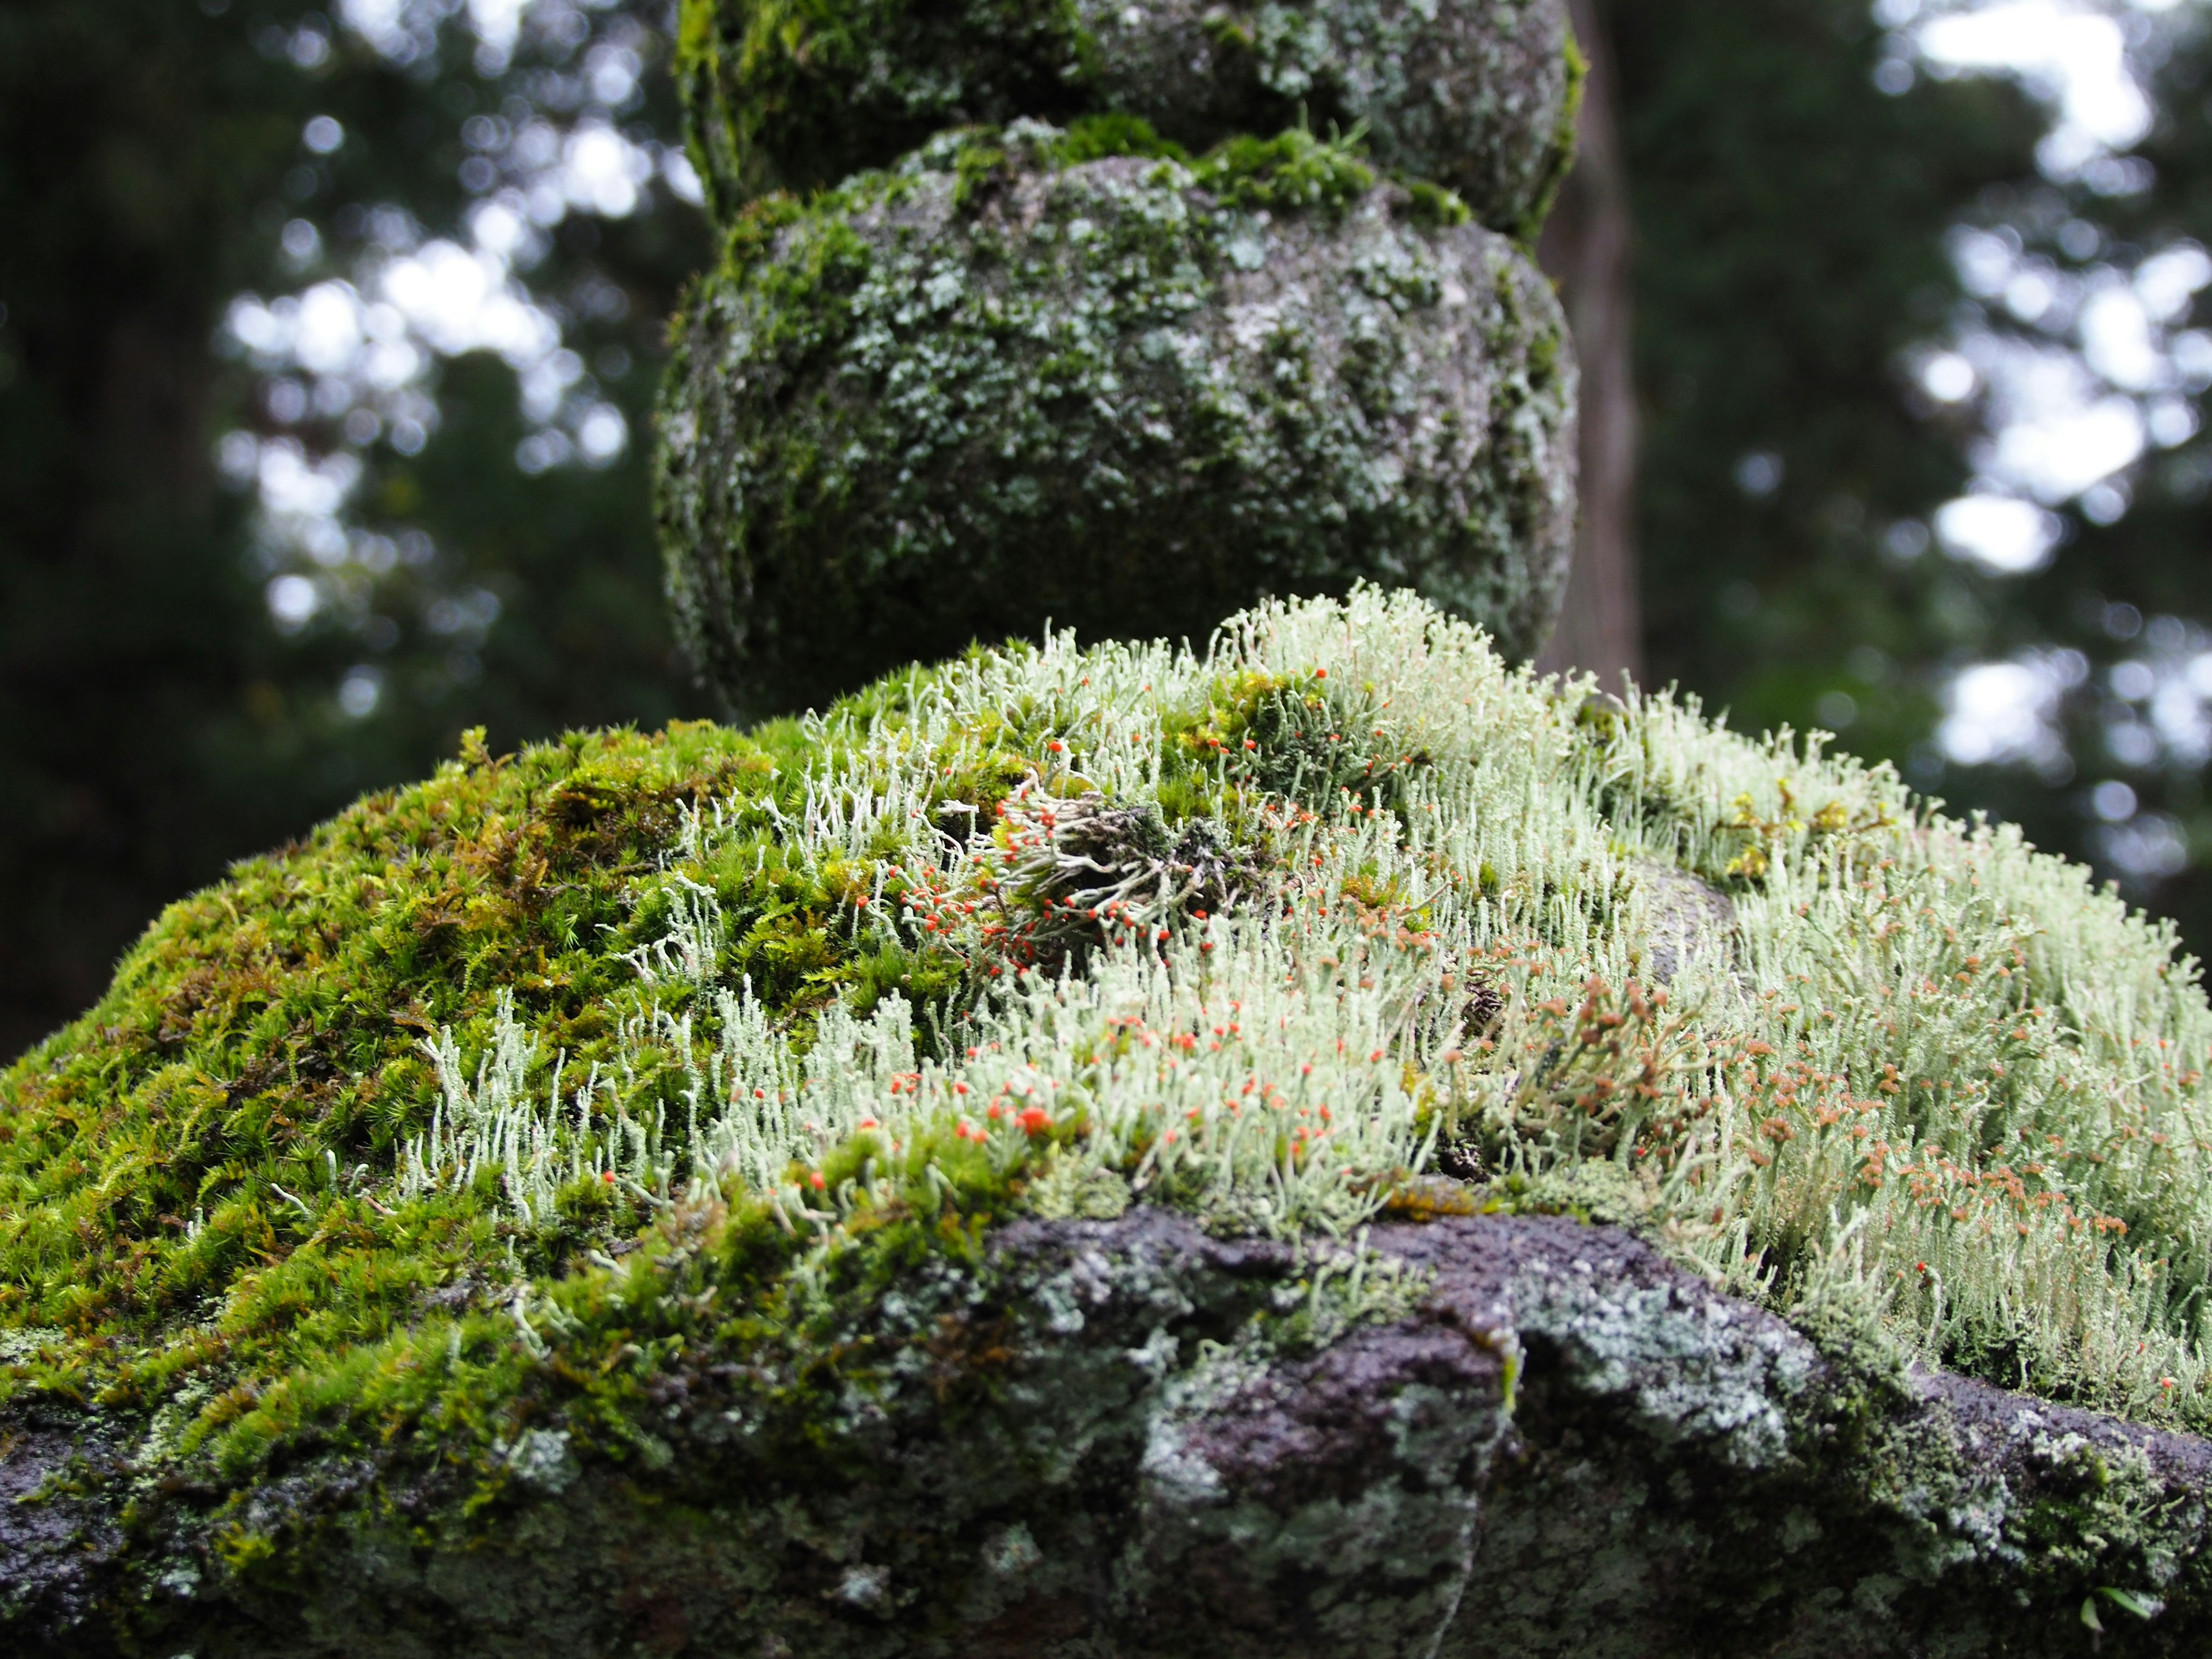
997 387
1477 95
1688 918
1128 1437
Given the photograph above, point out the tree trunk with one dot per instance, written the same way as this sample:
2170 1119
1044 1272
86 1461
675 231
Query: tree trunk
1585 248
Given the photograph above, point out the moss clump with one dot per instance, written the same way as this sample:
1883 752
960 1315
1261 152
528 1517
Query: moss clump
1292 171
996 386
421 1162
1477 97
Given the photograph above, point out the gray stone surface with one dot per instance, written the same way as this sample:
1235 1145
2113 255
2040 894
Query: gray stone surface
1482 1435
1689 918
993 389
1474 94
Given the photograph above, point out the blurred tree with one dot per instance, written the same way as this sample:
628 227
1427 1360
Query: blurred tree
1790 223
1585 247
137 143
2077 364
1920 386
435 515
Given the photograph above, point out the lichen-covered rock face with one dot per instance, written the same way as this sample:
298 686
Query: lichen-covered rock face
1112 1152
1479 1436
1001 386
1477 95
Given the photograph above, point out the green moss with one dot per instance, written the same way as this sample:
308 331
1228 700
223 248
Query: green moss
1098 137
1559 155
1432 204
260 1052
1294 170
796 96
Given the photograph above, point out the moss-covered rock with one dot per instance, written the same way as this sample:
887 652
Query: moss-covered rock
1004 383
1477 95
958 1174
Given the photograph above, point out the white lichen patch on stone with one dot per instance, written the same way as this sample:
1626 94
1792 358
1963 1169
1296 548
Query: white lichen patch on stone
1693 1371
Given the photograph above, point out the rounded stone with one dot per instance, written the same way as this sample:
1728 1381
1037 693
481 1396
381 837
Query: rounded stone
998 387
1477 95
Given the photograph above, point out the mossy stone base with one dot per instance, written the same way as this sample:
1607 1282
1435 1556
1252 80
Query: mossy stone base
998 387
1478 95
1118 1438
707 1191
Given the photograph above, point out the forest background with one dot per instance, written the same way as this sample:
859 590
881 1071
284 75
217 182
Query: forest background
329 339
